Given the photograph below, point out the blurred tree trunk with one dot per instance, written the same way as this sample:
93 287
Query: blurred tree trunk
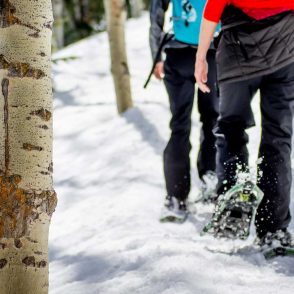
84 10
135 8
81 18
146 3
27 198
81 9
58 28
77 10
116 15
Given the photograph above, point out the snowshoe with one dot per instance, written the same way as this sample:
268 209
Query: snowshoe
278 251
234 212
276 244
248 249
208 188
174 210
270 245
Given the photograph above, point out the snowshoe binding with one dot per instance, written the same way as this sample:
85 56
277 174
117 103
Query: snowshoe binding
174 210
234 211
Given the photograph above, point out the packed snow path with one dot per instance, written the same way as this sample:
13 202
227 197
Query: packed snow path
105 236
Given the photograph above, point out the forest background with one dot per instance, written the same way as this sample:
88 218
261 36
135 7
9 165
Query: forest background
77 19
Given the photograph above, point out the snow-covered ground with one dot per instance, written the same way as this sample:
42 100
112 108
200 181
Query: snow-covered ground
105 236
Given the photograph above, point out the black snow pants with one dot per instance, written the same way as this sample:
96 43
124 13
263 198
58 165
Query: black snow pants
277 96
180 84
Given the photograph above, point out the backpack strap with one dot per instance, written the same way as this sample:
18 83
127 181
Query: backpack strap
165 39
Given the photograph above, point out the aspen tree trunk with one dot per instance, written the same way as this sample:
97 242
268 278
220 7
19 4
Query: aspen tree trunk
58 28
116 15
27 198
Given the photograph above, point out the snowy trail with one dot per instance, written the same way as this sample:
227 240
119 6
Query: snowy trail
105 236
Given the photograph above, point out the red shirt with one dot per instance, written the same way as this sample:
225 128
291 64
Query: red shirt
257 9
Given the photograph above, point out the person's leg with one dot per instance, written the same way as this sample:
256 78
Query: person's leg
208 107
235 117
181 89
277 97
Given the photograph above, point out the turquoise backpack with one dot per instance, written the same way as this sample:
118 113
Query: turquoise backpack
187 17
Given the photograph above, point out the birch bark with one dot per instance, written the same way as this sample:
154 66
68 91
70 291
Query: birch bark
116 15
27 197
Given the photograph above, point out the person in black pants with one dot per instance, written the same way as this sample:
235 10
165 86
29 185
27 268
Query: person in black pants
253 56
275 148
179 80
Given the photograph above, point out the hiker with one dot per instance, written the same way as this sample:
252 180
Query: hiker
255 52
177 72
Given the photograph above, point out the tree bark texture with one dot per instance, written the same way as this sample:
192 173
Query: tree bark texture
27 197
116 15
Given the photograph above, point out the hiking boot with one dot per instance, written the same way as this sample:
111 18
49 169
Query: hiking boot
279 238
174 210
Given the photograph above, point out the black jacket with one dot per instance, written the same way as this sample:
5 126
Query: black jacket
249 48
